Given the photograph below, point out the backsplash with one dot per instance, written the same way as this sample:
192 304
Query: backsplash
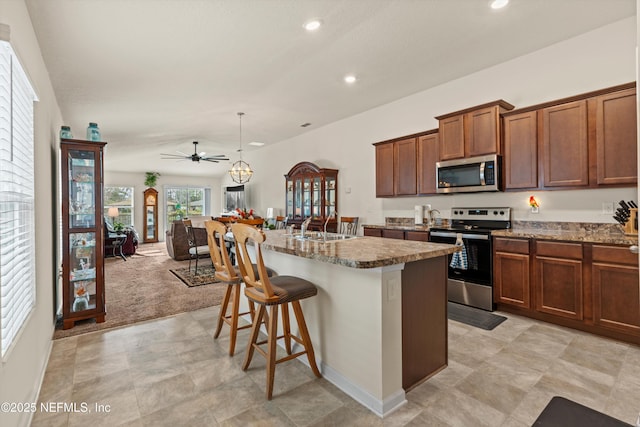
583 227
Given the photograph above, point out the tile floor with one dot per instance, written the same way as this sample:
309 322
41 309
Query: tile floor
171 372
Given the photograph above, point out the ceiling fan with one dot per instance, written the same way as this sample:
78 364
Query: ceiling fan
195 157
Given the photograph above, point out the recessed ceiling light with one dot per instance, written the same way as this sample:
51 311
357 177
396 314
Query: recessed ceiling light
256 143
499 4
350 79
313 25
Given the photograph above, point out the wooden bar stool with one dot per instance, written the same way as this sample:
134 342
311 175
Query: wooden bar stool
349 225
272 292
230 275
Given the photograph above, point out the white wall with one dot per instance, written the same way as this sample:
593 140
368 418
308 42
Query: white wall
595 60
22 370
121 179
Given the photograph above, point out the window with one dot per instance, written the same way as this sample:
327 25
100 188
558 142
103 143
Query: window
120 198
17 235
184 202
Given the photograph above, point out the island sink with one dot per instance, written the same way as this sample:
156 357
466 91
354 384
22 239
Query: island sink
321 237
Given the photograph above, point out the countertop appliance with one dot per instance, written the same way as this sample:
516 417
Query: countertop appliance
468 175
471 270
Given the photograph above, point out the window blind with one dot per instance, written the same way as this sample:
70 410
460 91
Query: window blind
17 235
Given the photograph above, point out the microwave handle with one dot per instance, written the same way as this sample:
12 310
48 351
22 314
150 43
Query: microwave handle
482 180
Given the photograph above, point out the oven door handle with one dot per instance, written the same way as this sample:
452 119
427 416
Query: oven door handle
464 235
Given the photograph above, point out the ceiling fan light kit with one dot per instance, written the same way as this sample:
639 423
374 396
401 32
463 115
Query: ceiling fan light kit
240 171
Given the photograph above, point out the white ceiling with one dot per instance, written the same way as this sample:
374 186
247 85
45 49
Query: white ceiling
158 74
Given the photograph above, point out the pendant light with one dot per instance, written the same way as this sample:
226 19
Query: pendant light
240 171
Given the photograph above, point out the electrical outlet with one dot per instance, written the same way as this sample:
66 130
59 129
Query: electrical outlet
607 208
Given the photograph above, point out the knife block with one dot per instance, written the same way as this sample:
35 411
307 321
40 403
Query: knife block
631 226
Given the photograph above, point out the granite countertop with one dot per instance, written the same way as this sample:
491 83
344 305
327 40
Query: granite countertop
360 252
588 236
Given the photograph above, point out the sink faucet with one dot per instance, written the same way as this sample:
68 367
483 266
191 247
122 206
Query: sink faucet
335 215
304 225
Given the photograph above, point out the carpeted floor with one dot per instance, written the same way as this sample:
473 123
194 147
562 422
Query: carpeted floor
143 288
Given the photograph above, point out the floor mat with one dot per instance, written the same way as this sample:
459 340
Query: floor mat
205 276
473 316
561 412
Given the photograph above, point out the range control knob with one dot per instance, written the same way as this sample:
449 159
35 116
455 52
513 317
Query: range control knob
495 212
501 212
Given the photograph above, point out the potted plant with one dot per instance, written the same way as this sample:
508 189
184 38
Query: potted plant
118 227
151 178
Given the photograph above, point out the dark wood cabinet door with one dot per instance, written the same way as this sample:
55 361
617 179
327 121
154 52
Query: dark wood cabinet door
565 145
521 150
384 170
393 234
373 232
511 278
482 132
616 289
558 279
427 158
419 236
616 138
451 131
404 167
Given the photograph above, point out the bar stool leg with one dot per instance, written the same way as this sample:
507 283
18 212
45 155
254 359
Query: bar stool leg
286 326
234 319
306 339
255 330
271 348
223 311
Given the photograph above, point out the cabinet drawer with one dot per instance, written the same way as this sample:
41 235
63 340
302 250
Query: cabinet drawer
374 232
393 234
559 250
517 246
614 254
421 236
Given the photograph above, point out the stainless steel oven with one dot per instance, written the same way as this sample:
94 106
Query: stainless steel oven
471 270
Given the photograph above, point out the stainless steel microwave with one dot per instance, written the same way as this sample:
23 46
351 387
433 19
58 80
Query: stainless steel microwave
469 175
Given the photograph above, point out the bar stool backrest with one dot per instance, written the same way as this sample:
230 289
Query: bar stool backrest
242 234
217 249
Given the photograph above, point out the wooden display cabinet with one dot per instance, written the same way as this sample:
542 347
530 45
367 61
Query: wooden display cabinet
150 232
82 231
311 192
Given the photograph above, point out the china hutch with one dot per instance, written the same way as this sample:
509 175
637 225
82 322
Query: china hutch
150 233
82 231
312 191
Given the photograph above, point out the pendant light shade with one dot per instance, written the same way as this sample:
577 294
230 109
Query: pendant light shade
240 171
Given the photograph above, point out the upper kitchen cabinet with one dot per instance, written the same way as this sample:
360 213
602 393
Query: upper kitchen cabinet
565 153
615 137
405 166
471 132
428 145
520 150
588 140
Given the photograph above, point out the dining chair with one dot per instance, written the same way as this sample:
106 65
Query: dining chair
269 293
349 225
281 222
195 250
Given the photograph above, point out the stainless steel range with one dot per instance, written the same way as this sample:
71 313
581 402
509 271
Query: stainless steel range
471 270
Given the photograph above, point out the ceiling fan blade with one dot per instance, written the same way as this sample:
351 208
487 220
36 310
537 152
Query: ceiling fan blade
171 156
217 156
183 154
210 160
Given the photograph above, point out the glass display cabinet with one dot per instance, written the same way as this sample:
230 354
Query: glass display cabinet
82 231
150 233
311 192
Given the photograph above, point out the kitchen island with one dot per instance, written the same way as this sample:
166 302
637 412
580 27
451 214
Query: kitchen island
379 321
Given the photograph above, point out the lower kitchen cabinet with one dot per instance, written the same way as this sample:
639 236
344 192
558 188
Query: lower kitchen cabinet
394 233
586 286
558 279
616 289
512 272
